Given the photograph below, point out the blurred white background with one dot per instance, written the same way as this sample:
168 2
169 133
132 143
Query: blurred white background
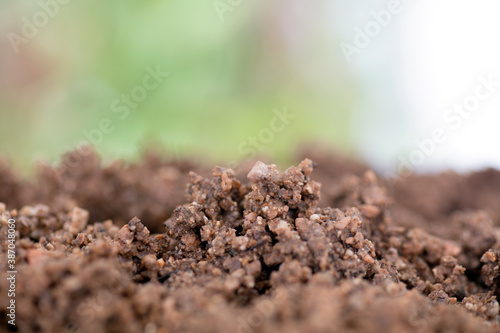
426 60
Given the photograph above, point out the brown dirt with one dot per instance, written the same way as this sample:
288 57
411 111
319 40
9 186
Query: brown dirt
336 249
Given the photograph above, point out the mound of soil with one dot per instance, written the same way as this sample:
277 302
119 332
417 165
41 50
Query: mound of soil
336 249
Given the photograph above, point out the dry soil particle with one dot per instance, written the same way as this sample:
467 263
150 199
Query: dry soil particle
259 255
150 189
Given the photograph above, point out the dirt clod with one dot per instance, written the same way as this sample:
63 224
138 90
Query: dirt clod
275 252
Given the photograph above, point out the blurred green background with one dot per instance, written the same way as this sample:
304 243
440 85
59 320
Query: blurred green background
230 63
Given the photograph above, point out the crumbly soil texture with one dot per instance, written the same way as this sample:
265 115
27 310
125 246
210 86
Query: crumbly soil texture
324 246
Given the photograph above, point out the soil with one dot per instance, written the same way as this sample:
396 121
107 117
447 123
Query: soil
322 246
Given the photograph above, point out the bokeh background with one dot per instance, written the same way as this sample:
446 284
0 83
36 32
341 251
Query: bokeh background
233 63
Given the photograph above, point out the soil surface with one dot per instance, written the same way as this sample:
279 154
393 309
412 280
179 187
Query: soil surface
323 246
